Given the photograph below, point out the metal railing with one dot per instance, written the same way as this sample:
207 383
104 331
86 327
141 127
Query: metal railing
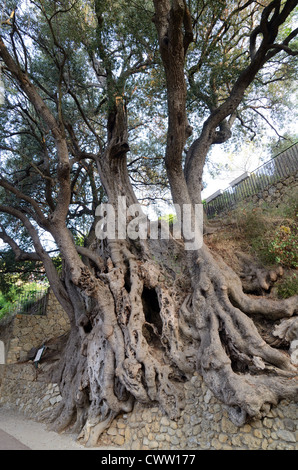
30 303
281 166
33 303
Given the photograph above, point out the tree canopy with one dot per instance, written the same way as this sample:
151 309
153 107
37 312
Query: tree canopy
106 100
79 55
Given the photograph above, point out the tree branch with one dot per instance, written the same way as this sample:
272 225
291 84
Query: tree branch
92 256
169 21
20 254
60 141
50 269
283 47
40 218
269 28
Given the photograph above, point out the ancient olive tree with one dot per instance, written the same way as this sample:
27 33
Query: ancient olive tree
145 312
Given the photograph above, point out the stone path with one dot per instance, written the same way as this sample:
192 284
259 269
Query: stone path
8 442
17 431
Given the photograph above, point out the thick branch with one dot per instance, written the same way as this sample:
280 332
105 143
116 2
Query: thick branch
169 22
20 254
269 29
51 272
96 259
39 214
61 145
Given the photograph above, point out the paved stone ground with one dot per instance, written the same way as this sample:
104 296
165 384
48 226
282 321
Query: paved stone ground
8 442
18 431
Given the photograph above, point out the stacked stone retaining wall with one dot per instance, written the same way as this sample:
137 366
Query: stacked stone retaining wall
25 332
277 193
281 192
24 390
204 423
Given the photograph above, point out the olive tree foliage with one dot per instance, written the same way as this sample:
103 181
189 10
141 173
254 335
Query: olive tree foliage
108 100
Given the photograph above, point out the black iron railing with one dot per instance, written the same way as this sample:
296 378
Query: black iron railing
281 166
30 303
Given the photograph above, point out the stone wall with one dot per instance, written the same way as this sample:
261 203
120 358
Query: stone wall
274 194
204 422
24 389
21 384
277 193
203 425
24 332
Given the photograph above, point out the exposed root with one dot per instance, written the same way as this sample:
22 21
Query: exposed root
238 365
254 277
130 345
93 429
140 341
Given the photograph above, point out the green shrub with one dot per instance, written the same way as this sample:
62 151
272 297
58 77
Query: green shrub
288 286
284 245
251 221
273 237
22 296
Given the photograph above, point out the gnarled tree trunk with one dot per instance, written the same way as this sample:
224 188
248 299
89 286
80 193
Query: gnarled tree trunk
145 314
141 327
141 330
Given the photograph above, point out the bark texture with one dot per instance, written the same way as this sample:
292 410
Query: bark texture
146 314
142 329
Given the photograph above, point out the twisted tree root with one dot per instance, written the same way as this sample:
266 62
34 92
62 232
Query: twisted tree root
237 364
139 341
